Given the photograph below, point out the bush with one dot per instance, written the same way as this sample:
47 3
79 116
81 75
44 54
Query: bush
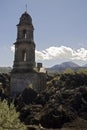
9 118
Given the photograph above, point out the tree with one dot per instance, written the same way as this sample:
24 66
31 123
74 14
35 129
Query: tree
69 71
82 71
9 118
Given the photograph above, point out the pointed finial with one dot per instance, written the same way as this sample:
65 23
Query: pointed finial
26 7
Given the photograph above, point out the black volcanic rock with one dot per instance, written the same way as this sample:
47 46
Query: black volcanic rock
58 105
29 95
26 97
55 117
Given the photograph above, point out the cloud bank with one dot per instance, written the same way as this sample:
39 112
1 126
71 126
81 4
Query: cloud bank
61 52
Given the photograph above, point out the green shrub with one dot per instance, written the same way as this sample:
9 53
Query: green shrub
9 118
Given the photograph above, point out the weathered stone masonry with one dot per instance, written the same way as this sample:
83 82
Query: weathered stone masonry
23 73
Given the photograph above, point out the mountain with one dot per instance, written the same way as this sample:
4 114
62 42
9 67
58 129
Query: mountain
63 66
5 69
85 65
69 64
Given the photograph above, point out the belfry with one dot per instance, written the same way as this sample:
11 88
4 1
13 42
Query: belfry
23 74
24 46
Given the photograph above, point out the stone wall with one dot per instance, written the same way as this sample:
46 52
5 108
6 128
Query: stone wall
19 81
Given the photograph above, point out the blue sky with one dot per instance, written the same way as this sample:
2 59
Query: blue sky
60 29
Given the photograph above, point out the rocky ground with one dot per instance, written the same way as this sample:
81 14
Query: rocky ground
58 107
61 106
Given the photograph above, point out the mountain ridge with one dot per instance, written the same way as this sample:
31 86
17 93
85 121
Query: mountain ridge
65 65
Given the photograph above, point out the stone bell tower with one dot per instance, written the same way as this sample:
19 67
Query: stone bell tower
24 46
23 74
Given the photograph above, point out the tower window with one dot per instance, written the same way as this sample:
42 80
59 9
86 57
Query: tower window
24 55
24 34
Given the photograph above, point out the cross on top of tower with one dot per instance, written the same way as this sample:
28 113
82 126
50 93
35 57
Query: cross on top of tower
26 7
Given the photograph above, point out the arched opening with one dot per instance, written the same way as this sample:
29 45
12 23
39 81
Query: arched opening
24 34
24 55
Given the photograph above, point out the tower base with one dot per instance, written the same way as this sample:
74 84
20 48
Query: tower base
19 81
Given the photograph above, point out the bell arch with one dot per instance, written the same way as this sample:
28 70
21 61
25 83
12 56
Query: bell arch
24 55
24 34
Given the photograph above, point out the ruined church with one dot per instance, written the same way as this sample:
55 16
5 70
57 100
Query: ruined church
25 72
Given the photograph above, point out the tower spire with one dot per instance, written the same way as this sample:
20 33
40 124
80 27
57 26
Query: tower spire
26 7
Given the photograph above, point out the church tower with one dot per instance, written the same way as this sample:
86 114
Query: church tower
24 60
23 74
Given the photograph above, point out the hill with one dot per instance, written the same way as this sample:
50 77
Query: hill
5 69
63 66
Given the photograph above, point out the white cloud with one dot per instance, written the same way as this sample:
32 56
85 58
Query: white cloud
13 48
61 52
